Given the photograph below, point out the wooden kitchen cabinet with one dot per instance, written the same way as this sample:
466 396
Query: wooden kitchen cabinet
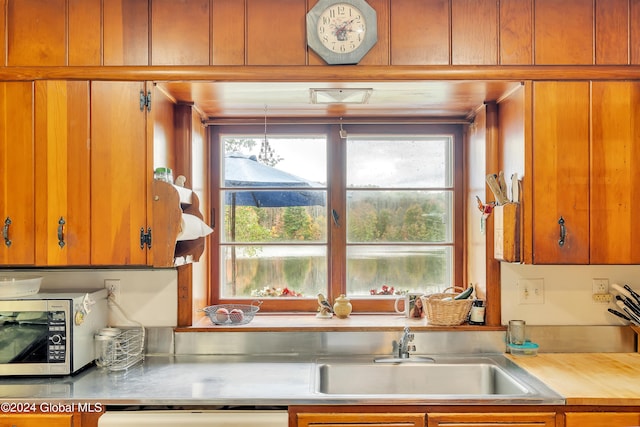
17 189
530 419
78 173
585 152
36 420
615 160
62 173
134 219
47 195
560 175
120 173
360 419
599 419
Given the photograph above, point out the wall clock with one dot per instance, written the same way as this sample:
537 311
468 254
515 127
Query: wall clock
342 31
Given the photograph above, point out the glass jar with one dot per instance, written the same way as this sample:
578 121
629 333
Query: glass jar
163 174
103 350
476 315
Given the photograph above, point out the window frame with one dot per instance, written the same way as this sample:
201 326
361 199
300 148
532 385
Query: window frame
336 199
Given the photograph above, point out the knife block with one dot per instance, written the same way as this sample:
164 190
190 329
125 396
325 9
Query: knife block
506 234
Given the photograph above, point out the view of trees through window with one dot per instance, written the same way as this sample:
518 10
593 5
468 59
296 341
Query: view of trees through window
399 228
397 215
275 228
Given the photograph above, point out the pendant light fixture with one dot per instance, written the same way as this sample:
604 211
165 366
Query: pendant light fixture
266 155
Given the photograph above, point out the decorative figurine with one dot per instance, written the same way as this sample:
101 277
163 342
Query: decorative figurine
342 307
325 311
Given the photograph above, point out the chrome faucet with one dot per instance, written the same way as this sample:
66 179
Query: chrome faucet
405 346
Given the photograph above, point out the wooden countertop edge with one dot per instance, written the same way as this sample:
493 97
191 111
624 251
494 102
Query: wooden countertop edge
602 401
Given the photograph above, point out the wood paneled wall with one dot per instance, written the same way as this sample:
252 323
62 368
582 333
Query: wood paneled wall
272 32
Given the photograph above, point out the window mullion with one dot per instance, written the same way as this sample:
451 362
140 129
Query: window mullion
336 147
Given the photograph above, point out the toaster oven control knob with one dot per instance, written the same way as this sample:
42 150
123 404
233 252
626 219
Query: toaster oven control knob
56 339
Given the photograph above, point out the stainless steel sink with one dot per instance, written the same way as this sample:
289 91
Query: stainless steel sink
472 378
417 378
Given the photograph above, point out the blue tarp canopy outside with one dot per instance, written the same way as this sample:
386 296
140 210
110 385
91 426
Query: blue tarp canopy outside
242 171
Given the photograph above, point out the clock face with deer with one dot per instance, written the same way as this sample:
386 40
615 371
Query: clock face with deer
342 31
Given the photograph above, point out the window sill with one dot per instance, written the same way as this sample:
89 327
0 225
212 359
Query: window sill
309 322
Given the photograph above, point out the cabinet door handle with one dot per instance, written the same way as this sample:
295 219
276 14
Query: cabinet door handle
563 232
61 224
5 232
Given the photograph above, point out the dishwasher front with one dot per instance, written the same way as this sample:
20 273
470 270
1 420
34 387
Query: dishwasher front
195 418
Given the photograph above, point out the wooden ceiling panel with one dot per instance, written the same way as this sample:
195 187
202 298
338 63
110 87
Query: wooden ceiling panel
455 99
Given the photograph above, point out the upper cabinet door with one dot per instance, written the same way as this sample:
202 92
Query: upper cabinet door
62 173
119 178
560 173
16 174
615 159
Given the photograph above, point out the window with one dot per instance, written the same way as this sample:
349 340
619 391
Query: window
371 215
399 213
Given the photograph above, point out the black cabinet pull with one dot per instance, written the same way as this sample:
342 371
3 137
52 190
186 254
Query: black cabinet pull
563 232
5 232
61 224
336 217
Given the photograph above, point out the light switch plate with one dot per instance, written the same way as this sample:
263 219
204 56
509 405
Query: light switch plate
531 291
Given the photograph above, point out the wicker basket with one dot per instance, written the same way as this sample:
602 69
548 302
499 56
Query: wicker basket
447 313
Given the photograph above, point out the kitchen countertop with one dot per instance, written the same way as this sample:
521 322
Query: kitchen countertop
588 378
608 379
229 380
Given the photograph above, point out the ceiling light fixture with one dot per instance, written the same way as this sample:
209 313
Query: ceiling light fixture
340 96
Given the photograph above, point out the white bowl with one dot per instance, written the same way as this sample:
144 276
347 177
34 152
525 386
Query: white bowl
13 287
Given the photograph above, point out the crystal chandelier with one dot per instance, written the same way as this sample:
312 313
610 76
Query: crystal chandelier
266 155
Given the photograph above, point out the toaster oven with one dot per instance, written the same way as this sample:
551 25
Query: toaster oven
50 333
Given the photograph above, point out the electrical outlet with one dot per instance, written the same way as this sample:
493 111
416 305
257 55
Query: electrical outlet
602 298
600 286
600 291
531 291
113 288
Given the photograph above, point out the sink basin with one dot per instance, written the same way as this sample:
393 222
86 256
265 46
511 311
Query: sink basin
481 378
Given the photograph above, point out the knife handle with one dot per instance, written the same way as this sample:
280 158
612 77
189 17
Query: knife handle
500 197
502 183
635 295
630 313
621 290
620 315
629 304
